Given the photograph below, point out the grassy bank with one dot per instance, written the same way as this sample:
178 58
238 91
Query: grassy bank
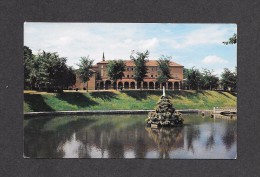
112 100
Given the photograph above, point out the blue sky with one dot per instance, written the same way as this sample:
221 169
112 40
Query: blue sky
198 45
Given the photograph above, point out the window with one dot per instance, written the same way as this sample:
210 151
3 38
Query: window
152 68
132 68
127 76
132 75
151 75
155 75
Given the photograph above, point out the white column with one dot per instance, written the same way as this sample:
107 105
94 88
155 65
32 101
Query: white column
154 85
135 85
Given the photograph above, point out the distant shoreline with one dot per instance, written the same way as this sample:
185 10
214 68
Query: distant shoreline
95 112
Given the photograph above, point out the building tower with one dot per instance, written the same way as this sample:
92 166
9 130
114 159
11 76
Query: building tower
103 59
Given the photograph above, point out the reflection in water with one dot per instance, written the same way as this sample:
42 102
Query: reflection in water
167 139
115 136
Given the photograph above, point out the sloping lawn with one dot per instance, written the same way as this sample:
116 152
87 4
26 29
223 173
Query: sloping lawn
116 100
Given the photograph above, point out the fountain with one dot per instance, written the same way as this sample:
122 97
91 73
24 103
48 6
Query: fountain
164 115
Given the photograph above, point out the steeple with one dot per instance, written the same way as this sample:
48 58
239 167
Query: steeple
103 59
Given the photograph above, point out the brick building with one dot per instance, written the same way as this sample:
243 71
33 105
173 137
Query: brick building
102 82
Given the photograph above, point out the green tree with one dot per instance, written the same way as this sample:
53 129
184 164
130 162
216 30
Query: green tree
85 71
71 77
164 69
194 79
209 80
231 40
186 82
115 69
140 69
52 71
229 79
28 62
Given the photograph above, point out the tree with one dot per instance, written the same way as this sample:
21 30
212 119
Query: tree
140 69
52 71
231 40
229 79
85 71
209 80
71 77
186 82
115 69
193 78
164 70
28 62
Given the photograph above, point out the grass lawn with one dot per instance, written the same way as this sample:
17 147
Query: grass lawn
115 100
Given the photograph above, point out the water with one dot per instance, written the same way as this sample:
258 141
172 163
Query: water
126 136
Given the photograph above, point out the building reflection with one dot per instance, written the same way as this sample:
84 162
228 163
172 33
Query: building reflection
125 138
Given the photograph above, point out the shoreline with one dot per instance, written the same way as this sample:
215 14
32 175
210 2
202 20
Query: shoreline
95 112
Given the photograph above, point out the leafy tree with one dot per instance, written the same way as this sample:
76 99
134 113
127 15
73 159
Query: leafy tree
194 78
28 61
229 79
71 77
47 70
52 71
85 71
209 80
164 69
186 82
231 40
115 69
140 69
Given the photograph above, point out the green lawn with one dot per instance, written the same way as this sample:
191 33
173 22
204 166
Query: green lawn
112 100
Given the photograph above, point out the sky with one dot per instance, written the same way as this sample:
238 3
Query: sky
191 45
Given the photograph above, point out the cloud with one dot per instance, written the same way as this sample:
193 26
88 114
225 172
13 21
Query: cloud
213 59
117 40
214 34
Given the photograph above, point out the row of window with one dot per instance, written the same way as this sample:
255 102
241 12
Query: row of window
132 68
132 76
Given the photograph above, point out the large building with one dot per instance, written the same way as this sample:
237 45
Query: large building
101 81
